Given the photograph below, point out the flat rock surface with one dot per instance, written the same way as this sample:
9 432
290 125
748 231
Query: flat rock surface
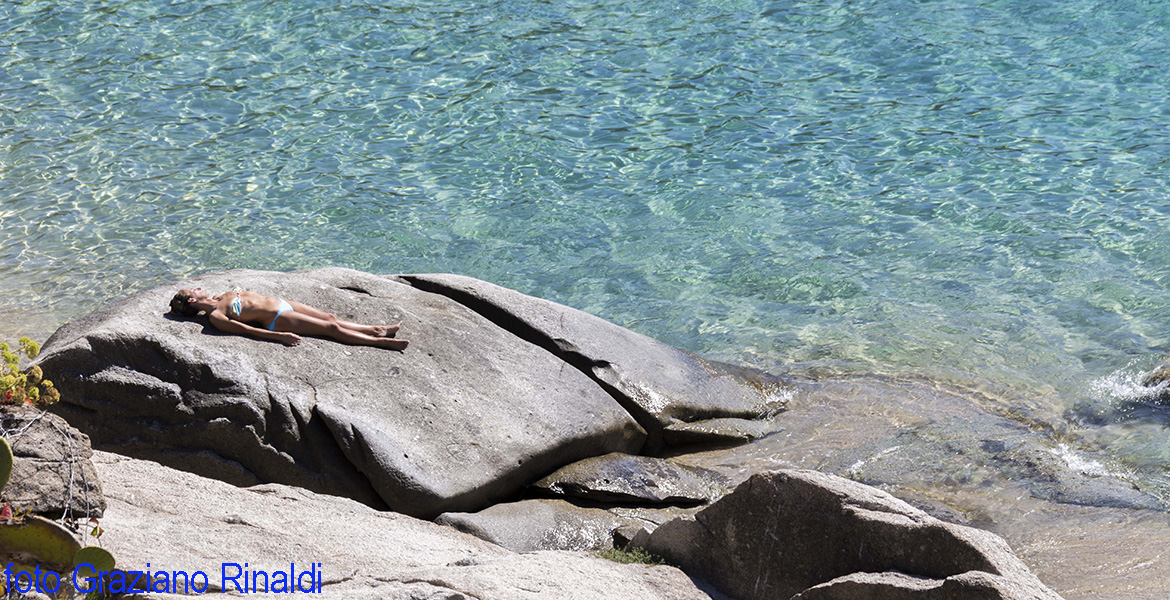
727 430
973 585
539 524
51 470
658 383
624 478
783 532
551 524
180 521
467 415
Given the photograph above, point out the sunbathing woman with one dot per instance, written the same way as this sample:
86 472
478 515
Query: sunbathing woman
269 318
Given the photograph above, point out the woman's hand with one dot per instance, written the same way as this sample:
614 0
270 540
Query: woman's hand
290 339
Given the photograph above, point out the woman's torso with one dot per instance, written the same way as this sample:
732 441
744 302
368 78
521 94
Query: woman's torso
249 307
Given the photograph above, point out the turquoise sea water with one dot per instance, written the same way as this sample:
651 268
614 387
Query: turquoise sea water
971 191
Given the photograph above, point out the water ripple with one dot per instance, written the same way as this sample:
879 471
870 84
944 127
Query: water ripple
975 188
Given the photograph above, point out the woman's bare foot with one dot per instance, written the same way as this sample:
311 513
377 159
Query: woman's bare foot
387 330
392 344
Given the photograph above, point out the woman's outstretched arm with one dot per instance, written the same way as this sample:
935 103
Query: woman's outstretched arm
226 325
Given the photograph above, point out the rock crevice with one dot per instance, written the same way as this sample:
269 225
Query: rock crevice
659 385
562 348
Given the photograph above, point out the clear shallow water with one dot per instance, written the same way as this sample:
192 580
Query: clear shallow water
973 192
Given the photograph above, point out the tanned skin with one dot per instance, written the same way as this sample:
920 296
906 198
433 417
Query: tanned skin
258 310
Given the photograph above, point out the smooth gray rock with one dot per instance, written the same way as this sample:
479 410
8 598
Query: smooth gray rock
782 532
890 585
622 478
719 431
972 585
51 470
658 383
650 517
532 525
174 520
467 415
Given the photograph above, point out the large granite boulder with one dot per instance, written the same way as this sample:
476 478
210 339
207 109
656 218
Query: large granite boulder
467 415
52 474
166 520
659 384
782 533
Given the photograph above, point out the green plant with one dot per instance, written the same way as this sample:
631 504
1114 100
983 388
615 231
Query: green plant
50 544
5 462
631 555
28 386
31 543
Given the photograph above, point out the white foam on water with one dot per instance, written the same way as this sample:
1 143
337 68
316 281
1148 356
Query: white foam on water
777 400
855 468
780 396
1125 384
1086 466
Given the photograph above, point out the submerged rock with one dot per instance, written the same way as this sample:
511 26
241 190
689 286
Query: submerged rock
622 478
469 414
781 533
52 474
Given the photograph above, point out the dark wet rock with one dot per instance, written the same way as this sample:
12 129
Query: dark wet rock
1157 395
543 524
622 478
783 532
52 474
659 384
171 520
719 431
468 415
1157 379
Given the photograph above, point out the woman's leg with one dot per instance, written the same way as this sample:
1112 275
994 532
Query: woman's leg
374 330
304 324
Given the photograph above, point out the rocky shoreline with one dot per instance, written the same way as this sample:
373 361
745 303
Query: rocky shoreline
543 430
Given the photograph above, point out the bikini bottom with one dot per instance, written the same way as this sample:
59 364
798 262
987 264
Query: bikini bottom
284 306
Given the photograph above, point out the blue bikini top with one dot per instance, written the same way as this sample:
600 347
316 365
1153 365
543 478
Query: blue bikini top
237 304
